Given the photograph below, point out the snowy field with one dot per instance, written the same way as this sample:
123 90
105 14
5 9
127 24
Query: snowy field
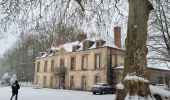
28 93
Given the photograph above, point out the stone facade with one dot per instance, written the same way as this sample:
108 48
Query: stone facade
79 65
78 78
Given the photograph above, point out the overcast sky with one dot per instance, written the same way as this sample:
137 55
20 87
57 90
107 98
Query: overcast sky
6 43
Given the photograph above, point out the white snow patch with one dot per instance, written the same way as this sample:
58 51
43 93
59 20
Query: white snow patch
149 66
159 91
28 93
119 67
45 55
52 54
120 86
136 97
136 78
66 46
54 48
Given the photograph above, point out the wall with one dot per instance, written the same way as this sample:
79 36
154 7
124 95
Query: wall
156 76
105 71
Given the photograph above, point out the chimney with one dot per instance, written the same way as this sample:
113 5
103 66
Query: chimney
117 36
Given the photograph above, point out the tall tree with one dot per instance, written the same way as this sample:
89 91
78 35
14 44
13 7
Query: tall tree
28 46
135 74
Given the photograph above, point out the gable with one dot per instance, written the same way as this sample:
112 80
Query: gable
62 51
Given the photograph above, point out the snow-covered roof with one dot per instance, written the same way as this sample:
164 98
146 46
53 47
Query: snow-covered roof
109 42
159 67
68 46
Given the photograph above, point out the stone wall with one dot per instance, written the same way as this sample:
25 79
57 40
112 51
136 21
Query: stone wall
104 72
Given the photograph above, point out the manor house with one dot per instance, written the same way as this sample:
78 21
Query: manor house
80 64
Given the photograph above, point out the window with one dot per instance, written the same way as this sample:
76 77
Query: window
97 61
97 44
51 82
52 65
45 66
84 62
160 80
87 44
37 79
96 79
114 60
38 66
71 82
83 83
61 62
76 47
44 80
73 63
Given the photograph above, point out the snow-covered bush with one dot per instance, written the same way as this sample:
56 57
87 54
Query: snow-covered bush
13 79
5 79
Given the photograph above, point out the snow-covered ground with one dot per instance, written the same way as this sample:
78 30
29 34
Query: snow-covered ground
28 93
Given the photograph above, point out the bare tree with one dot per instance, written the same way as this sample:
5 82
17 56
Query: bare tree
159 38
90 16
29 44
96 15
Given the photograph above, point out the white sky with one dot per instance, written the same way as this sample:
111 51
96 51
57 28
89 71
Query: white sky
7 42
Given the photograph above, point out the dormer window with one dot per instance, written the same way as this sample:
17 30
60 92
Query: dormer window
87 44
99 43
75 47
49 52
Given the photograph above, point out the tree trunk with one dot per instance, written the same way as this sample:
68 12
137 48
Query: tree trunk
135 73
